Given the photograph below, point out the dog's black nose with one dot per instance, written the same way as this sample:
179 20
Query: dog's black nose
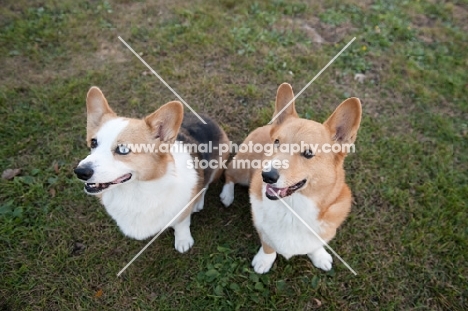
84 173
271 176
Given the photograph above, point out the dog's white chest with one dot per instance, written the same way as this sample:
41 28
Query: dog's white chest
142 212
282 230
143 208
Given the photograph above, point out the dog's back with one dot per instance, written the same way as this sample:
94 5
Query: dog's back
209 135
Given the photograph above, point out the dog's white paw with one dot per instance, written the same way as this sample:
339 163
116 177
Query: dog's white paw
321 259
183 237
183 245
227 195
198 206
262 262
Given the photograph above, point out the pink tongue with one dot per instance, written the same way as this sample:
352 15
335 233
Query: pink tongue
281 192
120 179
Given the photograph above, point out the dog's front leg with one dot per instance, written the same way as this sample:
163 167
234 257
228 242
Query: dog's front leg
183 237
264 259
321 259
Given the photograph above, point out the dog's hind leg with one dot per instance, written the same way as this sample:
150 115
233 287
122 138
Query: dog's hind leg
199 204
227 195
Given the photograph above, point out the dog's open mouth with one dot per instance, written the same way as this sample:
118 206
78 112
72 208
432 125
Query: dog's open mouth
94 188
274 193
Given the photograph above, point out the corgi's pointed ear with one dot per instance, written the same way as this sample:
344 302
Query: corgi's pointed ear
165 122
96 106
344 122
284 96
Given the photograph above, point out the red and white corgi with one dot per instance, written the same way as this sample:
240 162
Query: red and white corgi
312 184
143 190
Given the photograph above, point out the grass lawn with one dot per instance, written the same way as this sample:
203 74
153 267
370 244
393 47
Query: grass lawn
407 235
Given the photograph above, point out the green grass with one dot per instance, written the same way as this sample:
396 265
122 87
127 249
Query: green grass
407 233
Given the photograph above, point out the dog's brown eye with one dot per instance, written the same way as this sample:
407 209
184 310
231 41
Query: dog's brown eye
276 143
94 143
308 154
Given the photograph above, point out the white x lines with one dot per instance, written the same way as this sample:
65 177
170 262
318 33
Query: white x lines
276 116
161 79
188 106
316 234
159 233
313 79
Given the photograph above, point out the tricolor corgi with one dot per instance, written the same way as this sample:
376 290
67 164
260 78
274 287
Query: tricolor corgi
143 170
312 184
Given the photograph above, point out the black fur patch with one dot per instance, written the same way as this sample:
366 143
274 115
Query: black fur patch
193 131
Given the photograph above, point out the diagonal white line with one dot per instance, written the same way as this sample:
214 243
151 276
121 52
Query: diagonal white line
313 79
316 235
157 235
161 79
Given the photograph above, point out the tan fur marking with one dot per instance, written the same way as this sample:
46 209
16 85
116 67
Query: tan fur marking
138 132
219 171
344 123
165 122
262 136
283 96
240 175
256 185
98 110
267 249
